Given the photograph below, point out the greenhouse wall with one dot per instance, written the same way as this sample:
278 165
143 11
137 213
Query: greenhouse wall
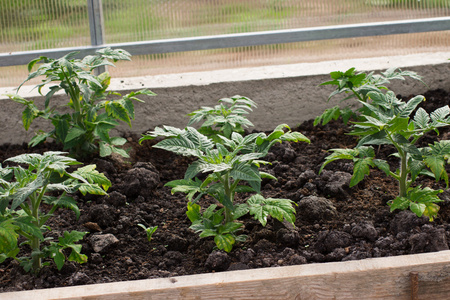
284 94
36 24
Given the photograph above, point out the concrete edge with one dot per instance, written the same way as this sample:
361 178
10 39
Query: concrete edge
258 73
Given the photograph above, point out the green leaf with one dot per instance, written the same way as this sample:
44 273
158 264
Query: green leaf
26 225
440 114
102 131
329 114
431 210
28 115
224 241
114 54
120 151
261 208
416 168
117 110
70 238
401 203
76 256
62 127
18 99
437 166
57 256
421 201
34 61
207 233
63 62
267 175
360 169
201 141
189 187
129 107
64 201
149 231
22 194
118 141
194 168
8 236
398 124
39 138
382 165
411 106
92 176
418 208
421 119
74 133
105 149
92 189
179 146
294 137
240 210
193 212
246 172
230 227
339 154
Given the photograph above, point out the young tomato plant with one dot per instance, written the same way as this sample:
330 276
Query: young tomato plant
86 128
390 123
22 193
225 118
227 165
358 85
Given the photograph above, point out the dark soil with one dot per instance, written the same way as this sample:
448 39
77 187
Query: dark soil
334 222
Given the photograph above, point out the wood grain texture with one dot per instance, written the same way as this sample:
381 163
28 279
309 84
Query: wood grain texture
377 278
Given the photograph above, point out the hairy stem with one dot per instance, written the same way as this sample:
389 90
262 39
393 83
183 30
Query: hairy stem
35 243
403 186
74 97
403 176
229 193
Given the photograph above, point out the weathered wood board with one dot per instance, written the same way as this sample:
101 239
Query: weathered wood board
376 278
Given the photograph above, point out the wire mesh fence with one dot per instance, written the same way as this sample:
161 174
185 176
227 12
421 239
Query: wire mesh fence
40 24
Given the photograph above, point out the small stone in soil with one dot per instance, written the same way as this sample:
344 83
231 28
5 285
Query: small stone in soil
101 242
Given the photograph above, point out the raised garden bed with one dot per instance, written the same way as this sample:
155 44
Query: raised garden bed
334 223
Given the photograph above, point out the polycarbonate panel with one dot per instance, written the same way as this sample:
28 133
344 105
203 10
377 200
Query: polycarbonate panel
127 21
40 24
279 54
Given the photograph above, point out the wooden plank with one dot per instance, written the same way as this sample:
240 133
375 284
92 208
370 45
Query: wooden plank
376 278
243 39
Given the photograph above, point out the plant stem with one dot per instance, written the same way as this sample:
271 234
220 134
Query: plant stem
357 95
229 194
403 175
74 97
35 242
